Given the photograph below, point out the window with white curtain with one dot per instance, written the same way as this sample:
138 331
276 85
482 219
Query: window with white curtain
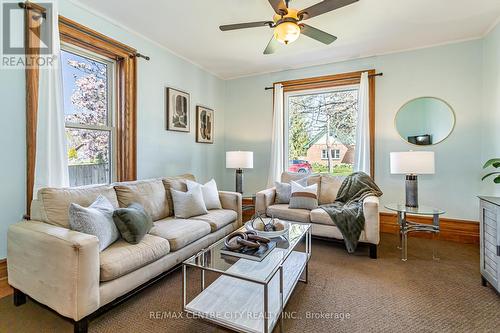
320 121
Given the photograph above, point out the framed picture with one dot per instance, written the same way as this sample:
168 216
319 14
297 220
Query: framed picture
177 112
204 125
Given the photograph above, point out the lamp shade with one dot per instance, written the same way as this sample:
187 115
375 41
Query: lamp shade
412 162
239 159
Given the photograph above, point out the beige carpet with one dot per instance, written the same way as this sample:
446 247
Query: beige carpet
383 295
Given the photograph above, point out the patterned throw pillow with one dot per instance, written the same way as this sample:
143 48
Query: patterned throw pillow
284 191
97 220
304 197
209 192
188 204
133 222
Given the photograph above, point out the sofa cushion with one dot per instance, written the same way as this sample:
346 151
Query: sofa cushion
329 188
121 258
284 190
218 218
96 219
282 211
188 204
319 216
304 197
133 222
209 191
180 232
149 193
177 183
54 202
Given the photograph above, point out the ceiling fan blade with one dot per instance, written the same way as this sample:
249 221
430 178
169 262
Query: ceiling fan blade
279 6
245 25
317 34
272 46
323 7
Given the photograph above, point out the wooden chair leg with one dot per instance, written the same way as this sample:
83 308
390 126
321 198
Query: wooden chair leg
373 251
19 297
81 326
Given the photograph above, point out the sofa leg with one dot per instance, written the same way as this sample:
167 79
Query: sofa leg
81 326
373 251
19 297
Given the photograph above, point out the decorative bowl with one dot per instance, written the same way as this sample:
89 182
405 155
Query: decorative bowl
257 225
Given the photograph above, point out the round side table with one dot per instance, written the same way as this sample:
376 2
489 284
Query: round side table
406 226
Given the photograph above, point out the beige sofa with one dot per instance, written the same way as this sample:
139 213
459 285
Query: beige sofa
322 225
64 269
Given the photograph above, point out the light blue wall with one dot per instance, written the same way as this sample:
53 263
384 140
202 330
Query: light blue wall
490 145
160 152
451 72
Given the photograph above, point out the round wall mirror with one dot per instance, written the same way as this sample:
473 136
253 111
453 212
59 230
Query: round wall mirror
425 121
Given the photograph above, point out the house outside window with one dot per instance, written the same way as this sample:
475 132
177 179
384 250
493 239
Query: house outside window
89 94
317 120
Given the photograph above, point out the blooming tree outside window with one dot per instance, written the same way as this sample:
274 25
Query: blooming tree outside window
88 117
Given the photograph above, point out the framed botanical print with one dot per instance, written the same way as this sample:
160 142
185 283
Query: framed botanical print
204 124
177 110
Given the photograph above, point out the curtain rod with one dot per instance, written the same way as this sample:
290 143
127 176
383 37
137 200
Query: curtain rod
33 6
332 80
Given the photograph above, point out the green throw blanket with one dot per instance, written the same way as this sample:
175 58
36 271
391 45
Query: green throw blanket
347 210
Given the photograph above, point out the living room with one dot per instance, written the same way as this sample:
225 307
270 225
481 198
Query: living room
314 112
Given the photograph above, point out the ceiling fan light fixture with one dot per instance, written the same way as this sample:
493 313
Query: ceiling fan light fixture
287 32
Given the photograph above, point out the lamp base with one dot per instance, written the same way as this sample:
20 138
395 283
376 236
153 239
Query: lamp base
239 181
411 184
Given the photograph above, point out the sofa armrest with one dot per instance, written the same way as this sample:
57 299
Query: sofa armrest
232 201
55 266
372 219
264 199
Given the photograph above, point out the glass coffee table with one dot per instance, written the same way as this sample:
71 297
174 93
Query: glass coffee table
247 295
406 226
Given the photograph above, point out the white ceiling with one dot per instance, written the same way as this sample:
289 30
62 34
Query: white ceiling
189 28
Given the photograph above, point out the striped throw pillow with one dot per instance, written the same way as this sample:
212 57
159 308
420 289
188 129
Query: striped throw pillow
304 197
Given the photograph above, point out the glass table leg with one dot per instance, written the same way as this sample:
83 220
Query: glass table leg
400 224
435 237
404 256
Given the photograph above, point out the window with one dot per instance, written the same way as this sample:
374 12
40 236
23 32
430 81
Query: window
335 154
321 119
89 92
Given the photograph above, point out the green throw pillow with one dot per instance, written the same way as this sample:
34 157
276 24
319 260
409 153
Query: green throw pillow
133 222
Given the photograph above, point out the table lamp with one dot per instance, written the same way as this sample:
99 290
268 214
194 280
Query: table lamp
239 160
411 164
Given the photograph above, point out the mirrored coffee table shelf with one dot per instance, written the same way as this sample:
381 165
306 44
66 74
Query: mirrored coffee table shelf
248 296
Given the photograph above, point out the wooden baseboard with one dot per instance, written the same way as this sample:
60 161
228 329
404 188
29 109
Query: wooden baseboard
460 231
3 269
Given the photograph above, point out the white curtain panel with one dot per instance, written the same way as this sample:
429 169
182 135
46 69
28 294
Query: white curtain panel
362 151
276 167
51 165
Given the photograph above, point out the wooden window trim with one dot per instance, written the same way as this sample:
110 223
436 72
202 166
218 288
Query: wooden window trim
338 80
126 97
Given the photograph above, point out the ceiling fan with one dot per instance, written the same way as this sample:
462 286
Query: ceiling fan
287 22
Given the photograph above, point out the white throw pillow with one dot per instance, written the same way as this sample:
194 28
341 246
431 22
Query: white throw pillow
304 197
188 204
209 191
97 220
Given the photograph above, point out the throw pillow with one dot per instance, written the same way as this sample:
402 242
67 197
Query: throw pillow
188 204
97 220
133 222
304 197
284 191
209 192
